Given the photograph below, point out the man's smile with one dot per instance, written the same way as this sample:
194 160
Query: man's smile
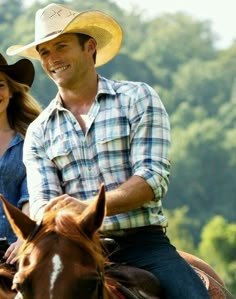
59 69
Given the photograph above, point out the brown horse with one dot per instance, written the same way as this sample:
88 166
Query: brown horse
63 258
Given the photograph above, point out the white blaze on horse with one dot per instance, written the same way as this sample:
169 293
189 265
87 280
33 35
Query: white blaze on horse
63 258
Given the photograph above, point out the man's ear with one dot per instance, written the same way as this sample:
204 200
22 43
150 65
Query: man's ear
92 45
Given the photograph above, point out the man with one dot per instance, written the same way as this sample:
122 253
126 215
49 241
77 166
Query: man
102 131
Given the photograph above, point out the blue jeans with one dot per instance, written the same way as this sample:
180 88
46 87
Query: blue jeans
151 250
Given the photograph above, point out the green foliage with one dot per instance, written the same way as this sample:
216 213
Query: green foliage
178 230
218 246
129 68
174 40
9 13
200 84
199 155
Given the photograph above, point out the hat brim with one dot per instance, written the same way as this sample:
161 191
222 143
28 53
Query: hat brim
22 71
104 29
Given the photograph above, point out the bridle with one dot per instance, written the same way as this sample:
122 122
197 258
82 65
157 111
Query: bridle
100 284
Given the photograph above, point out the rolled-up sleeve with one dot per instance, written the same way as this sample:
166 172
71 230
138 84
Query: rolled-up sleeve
24 195
151 140
42 175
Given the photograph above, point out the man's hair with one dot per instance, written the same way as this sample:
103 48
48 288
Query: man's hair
83 38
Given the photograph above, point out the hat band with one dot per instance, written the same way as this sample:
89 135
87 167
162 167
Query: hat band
47 35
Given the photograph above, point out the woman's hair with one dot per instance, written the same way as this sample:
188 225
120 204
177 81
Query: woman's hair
22 108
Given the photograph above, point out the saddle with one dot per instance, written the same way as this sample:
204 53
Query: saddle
134 283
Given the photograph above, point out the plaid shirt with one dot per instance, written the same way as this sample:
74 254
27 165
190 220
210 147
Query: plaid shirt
127 133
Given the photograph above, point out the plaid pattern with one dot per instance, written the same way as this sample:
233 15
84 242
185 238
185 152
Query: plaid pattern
127 133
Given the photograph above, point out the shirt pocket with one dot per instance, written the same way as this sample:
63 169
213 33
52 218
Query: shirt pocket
63 155
114 151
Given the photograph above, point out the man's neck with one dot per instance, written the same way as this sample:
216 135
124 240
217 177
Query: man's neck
81 92
81 97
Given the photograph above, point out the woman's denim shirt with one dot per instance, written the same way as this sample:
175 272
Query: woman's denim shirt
13 184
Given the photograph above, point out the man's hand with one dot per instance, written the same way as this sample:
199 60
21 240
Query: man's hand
65 200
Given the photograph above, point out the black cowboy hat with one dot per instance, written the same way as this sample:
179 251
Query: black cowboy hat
22 71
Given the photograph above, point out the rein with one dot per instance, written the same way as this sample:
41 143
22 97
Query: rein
100 284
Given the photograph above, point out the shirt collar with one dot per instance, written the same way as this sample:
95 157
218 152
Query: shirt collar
15 140
104 87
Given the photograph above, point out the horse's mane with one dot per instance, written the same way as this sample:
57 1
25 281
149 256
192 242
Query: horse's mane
66 222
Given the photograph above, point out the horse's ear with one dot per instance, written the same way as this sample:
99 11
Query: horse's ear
93 215
21 224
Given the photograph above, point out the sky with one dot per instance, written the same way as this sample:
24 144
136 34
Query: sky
221 13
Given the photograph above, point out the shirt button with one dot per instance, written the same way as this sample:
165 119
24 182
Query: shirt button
3 216
94 193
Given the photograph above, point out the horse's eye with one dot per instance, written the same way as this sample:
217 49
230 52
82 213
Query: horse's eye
86 287
91 284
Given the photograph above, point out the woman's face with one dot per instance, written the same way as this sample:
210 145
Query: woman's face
5 93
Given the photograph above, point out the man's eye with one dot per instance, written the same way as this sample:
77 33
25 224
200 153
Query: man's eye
61 46
43 53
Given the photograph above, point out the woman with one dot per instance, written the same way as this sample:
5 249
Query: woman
17 110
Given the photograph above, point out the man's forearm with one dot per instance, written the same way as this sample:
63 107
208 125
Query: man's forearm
130 195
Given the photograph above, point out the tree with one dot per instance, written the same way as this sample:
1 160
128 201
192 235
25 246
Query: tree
10 10
200 84
219 239
175 39
202 173
178 230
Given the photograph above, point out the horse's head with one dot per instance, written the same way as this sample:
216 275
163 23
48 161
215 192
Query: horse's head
61 257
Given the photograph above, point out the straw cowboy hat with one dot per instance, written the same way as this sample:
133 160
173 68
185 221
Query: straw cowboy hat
55 19
22 71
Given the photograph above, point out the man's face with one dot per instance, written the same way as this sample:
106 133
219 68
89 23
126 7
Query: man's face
65 61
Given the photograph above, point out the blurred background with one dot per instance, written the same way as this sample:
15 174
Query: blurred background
186 50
